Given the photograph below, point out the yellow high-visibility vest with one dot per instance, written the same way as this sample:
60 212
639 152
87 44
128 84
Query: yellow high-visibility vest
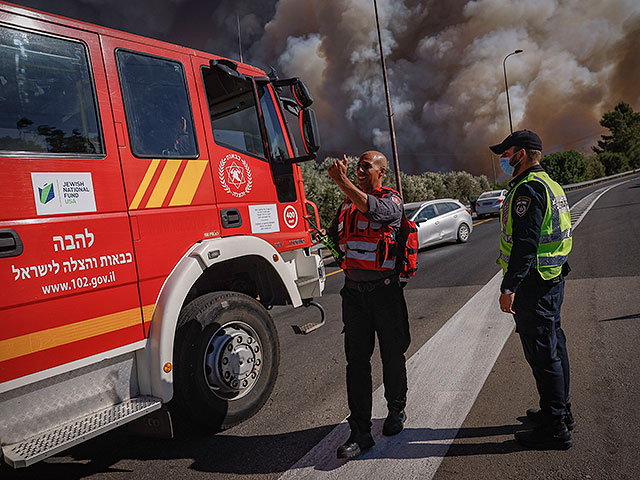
555 233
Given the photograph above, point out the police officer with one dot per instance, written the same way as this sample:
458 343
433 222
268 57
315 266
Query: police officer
535 240
372 298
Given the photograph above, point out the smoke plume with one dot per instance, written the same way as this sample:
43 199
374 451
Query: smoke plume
444 61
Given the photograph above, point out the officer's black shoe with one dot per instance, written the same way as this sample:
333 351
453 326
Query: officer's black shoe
536 416
546 437
394 423
356 444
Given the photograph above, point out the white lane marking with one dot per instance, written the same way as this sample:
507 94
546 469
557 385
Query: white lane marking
590 200
445 376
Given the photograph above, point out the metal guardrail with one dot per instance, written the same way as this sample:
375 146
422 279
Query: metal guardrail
575 186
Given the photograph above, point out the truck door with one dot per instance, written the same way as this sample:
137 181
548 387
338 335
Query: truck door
67 272
164 158
256 189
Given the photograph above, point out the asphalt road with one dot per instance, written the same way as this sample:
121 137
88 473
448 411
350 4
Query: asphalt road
600 318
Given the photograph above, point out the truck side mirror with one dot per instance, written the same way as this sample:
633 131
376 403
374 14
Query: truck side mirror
309 129
310 136
301 94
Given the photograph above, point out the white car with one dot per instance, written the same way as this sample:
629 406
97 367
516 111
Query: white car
490 203
443 220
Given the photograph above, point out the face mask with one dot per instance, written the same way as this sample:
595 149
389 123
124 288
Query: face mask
506 166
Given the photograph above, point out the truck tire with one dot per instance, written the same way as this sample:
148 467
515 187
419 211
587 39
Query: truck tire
226 357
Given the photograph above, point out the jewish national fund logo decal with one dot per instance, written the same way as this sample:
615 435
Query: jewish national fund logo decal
46 193
290 216
235 175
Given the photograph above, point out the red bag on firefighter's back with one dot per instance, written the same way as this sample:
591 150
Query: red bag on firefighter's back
408 246
406 242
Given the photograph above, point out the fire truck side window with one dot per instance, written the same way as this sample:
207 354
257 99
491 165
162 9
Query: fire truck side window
47 99
234 115
282 171
157 106
277 144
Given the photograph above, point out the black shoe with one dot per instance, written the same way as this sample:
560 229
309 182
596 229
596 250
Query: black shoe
355 445
546 437
536 416
394 423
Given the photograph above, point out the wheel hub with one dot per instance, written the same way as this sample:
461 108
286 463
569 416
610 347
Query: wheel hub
233 360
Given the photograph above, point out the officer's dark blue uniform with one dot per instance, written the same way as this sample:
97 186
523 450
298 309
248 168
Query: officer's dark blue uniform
537 302
534 244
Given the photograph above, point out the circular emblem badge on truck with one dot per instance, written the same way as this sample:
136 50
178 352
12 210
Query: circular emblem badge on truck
290 216
235 175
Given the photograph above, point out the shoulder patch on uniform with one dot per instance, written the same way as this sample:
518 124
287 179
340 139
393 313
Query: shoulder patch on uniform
522 205
396 199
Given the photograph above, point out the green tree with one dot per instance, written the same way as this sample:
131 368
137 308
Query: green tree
415 189
434 181
624 125
614 162
460 185
595 169
565 167
634 156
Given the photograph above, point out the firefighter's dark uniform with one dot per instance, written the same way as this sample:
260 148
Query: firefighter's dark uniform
537 301
372 304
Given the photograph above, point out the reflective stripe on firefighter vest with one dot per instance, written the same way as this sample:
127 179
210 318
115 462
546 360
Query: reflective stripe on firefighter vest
366 245
555 232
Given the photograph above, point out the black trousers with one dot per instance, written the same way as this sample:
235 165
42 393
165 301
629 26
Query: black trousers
537 317
381 312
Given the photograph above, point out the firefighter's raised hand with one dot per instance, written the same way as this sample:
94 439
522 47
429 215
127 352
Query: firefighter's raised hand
338 171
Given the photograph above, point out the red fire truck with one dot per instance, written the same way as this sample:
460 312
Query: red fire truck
151 213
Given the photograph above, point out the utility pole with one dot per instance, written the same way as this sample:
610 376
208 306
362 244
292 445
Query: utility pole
239 38
493 165
392 131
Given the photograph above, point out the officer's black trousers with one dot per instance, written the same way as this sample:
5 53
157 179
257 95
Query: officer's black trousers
537 317
382 311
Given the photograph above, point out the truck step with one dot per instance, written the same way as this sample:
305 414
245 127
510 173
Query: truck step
310 327
58 439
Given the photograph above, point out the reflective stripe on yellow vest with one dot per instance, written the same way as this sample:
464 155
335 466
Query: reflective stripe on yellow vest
555 232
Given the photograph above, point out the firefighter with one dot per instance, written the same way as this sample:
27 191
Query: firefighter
373 301
535 241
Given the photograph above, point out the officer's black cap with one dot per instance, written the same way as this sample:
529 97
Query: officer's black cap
519 138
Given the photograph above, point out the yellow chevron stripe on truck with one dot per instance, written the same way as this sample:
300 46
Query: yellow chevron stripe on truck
186 188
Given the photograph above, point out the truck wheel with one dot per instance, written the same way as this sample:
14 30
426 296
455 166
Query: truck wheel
226 356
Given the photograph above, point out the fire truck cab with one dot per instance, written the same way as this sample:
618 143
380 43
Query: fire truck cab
151 213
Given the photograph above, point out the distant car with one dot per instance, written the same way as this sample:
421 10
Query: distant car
490 203
443 220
